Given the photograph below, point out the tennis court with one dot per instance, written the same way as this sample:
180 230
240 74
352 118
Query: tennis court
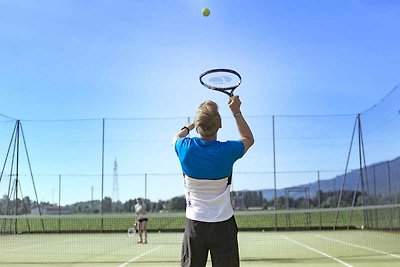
336 248
363 236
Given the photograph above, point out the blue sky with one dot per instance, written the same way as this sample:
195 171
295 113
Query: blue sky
88 60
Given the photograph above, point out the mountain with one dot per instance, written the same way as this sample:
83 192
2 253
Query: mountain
376 180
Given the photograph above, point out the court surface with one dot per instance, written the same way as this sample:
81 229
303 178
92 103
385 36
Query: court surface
308 248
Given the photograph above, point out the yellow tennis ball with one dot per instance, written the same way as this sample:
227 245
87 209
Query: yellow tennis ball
206 12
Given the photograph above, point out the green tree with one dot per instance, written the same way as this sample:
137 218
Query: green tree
26 206
118 207
177 203
107 204
129 205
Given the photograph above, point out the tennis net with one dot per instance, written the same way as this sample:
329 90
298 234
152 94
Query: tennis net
263 235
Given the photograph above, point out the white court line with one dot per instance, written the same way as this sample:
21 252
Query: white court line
317 251
358 246
138 257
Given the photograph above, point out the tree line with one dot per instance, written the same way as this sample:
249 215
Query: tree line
241 200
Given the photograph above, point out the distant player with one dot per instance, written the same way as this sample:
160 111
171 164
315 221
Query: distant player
140 210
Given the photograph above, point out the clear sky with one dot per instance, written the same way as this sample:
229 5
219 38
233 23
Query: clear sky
65 65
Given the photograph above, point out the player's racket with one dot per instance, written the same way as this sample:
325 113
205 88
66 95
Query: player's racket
132 231
222 80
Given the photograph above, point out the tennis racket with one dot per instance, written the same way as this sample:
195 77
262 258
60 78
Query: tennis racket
221 80
132 231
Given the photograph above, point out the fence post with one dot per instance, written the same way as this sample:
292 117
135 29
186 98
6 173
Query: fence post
102 175
59 203
274 160
145 186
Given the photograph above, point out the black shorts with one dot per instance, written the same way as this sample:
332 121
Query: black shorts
220 238
143 220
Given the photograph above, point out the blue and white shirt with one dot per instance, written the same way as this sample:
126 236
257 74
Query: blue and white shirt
207 167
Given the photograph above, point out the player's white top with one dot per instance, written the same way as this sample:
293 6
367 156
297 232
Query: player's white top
140 210
208 200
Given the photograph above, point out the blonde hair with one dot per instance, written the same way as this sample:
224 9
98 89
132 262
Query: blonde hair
208 119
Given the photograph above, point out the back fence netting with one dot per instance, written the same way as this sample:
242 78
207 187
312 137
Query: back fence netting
312 173
381 131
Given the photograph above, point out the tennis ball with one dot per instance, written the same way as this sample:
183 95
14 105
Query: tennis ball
206 12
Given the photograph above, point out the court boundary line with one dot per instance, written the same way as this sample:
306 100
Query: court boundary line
139 256
317 251
359 246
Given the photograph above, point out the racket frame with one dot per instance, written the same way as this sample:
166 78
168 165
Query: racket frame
228 90
132 231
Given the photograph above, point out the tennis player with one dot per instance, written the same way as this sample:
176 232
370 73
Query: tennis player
140 209
207 166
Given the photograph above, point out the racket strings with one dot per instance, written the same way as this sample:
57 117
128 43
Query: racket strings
220 79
